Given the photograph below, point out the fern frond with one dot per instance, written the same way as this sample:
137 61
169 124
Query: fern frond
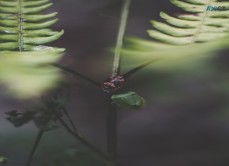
29 74
200 27
22 26
24 29
195 33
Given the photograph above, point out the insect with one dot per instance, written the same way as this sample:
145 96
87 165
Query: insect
113 84
129 100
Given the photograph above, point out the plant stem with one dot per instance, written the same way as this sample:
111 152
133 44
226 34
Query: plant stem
112 114
70 119
82 140
119 44
75 73
112 131
137 68
35 146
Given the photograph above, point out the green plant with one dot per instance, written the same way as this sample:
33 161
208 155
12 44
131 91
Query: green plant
174 41
175 38
24 59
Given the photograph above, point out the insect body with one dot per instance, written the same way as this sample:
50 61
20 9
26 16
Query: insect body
113 84
129 100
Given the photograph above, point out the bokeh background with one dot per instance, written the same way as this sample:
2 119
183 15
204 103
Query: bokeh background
185 122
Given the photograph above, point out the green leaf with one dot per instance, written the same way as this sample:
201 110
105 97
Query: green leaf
29 74
129 100
24 59
182 40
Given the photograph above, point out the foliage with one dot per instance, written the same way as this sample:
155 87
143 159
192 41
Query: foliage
26 66
24 61
42 115
129 100
189 37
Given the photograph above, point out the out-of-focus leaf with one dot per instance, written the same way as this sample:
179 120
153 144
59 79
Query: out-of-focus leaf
129 100
185 39
18 119
24 64
45 118
42 114
29 74
45 124
3 160
171 57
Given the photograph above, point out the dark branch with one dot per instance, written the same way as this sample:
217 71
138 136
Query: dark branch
75 73
81 139
36 144
136 69
70 119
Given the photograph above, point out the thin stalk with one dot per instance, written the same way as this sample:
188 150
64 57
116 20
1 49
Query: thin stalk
75 73
35 146
112 131
137 68
112 114
70 119
82 140
20 26
119 43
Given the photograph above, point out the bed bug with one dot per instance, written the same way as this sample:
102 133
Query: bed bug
129 100
113 84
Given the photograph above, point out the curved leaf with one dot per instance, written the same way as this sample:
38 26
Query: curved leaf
183 38
129 100
24 60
